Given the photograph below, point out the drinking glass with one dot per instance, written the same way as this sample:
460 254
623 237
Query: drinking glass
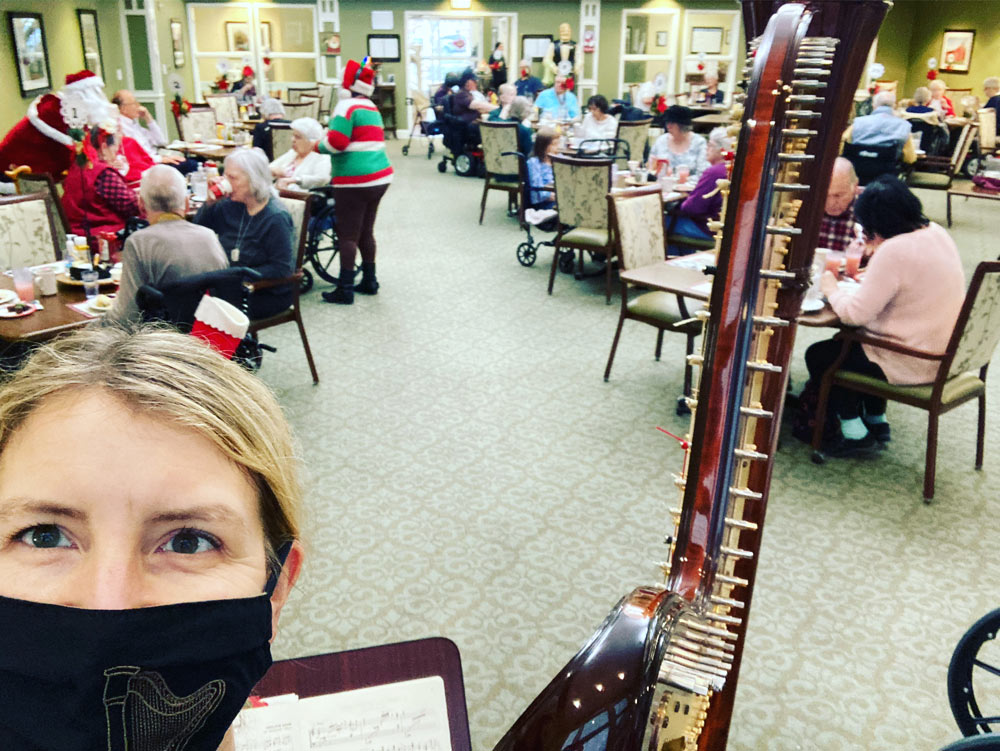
24 283
89 278
683 173
854 252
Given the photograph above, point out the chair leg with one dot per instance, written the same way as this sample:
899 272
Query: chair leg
555 263
659 343
614 347
305 345
482 204
948 204
931 460
821 407
981 435
607 277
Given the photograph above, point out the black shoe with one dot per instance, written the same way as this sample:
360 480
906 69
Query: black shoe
881 431
340 296
845 447
367 287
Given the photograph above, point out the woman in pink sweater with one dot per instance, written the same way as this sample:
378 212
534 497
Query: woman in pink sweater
911 294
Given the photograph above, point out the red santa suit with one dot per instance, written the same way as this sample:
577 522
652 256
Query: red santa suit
40 140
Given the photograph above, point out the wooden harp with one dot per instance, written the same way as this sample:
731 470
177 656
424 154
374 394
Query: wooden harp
660 674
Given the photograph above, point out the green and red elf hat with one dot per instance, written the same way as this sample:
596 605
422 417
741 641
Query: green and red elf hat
359 77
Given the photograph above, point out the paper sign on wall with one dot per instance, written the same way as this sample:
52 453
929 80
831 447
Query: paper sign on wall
381 20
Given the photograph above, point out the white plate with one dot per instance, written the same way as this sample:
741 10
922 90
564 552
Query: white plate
94 309
812 305
8 296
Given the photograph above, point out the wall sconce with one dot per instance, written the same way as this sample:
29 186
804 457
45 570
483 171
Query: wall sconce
461 4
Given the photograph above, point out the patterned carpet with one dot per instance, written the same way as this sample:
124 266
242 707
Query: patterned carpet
471 475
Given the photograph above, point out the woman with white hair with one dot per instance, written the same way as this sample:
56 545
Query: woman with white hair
919 105
690 221
939 102
302 167
271 111
253 227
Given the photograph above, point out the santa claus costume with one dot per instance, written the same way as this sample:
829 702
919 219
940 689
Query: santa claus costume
41 140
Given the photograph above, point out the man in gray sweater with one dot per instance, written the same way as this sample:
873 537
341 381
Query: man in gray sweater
171 248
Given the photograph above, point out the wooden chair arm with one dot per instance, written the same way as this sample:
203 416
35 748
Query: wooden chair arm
268 283
861 337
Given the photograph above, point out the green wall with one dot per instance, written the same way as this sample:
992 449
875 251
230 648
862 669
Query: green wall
62 38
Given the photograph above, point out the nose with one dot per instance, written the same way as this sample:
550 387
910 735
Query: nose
109 580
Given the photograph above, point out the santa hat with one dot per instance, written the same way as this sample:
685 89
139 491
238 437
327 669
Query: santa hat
221 324
247 71
359 77
83 81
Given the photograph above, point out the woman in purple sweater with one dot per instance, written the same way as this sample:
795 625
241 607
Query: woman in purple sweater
691 219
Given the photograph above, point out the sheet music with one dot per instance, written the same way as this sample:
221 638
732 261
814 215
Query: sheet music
403 716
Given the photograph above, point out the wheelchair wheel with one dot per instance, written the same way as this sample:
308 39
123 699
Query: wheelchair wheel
971 167
321 250
566 261
306 282
526 254
442 166
464 165
406 150
975 667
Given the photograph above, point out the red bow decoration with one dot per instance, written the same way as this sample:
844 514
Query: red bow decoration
931 74
570 83
701 66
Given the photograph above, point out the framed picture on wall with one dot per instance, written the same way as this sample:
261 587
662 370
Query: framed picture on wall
383 48
706 40
535 46
329 43
238 36
265 35
177 42
90 41
956 50
31 56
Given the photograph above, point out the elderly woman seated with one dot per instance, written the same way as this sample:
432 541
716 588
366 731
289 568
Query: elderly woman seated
520 111
302 167
507 92
253 227
939 102
690 220
598 122
540 175
679 147
271 111
921 99
163 588
96 198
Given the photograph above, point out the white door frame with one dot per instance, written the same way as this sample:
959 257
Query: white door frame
671 55
155 94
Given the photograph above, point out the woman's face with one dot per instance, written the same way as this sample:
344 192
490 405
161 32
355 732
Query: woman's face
240 182
674 130
108 152
553 148
300 144
713 153
596 113
105 508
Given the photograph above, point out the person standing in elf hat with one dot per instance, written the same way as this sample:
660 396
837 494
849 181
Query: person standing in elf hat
361 175
244 89
41 139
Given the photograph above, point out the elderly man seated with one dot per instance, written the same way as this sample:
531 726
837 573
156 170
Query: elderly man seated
271 111
468 103
838 228
558 102
166 251
528 85
991 88
883 128
136 123
506 92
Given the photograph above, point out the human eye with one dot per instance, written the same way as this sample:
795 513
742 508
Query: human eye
44 536
190 542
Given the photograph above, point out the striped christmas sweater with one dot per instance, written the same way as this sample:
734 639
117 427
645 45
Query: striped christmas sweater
356 145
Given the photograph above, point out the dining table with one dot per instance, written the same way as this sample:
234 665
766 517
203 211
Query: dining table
56 316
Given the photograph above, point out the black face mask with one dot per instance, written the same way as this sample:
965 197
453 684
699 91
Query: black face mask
168 678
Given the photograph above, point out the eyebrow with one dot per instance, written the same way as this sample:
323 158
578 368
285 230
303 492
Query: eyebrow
49 508
214 513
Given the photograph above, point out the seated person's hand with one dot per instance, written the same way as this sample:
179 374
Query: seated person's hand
210 196
283 183
171 159
828 284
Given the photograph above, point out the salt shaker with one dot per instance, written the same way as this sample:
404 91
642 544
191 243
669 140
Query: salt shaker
47 281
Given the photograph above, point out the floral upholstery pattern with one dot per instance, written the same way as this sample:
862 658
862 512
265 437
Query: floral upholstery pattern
498 138
305 108
635 133
42 183
198 124
639 221
224 106
581 189
281 139
982 330
26 232
297 208
987 128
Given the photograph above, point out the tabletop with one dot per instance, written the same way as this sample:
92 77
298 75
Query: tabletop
55 318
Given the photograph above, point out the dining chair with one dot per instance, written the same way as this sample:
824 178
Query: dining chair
961 374
987 130
636 134
198 124
296 110
298 207
26 181
325 99
281 138
28 235
938 172
295 93
314 102
637 229
501 171
581 187
225 106
871 162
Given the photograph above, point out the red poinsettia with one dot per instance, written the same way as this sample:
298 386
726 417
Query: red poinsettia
931 74
180 106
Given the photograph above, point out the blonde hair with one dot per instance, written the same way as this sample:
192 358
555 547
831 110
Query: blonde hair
180 379
922 95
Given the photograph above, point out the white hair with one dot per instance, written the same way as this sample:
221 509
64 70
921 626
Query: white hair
991 83
308 128
271 106
922 95
520 108
253 162
162 189
938 85
884 99
720 137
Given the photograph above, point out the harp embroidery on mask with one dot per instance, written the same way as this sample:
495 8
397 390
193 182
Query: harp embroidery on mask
143 714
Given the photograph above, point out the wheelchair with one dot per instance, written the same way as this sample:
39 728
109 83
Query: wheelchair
322 244
527 251
976 663
461 141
